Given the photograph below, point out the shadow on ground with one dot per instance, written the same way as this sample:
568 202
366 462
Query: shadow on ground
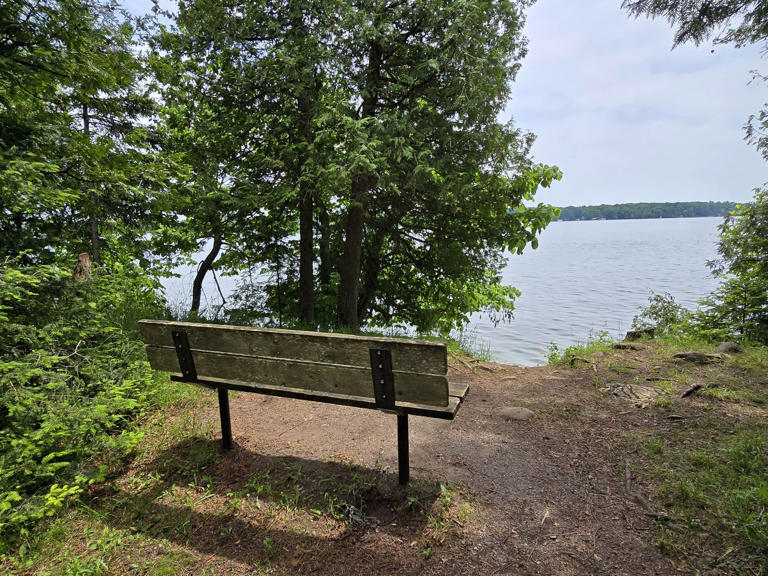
265 510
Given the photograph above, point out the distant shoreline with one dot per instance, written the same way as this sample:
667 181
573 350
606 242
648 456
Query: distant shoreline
646 211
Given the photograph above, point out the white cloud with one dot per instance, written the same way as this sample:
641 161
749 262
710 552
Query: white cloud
628 119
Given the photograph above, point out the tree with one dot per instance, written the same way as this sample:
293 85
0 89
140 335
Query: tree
243 89
738 22
364 147
740 303
438 190
75 151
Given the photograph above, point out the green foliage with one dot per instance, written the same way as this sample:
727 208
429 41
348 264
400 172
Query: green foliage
664 315
373 136
722 487
72 378
646 210
740 304
741 23
79 169
568 357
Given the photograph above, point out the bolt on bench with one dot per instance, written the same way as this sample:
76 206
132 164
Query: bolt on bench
400 376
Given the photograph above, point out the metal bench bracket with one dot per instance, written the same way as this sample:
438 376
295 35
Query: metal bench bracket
189 374
383 379
186 363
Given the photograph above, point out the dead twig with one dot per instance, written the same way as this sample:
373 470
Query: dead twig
691 390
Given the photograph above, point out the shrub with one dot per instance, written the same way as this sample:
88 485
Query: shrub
73 375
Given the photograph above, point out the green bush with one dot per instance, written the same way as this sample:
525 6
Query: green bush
664 315
73 376
740 304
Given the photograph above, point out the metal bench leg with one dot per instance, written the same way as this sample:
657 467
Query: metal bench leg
226 425
402 448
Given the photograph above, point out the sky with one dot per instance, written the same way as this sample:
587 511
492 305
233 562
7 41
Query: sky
626 118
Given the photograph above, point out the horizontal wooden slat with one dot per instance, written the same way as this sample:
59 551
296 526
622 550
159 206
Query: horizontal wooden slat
443 412
418 356
458 389
430 389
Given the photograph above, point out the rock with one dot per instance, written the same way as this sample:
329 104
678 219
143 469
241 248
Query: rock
491 367
640 395
517 413
729 347
638 334
628 346
699 357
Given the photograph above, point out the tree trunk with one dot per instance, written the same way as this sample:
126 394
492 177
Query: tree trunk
371 266
325 248
93 216
205 265
306 256
349 283
307 94
307 91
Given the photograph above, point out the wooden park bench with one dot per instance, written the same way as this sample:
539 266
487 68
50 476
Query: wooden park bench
400 376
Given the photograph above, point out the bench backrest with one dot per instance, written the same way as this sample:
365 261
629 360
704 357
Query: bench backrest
320 362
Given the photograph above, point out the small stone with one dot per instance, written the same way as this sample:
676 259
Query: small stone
729 347
638 334
517 413
699 357
628 346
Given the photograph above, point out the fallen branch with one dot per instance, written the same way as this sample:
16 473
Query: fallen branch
691 390
699 357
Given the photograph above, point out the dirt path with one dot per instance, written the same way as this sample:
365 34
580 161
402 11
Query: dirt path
545 495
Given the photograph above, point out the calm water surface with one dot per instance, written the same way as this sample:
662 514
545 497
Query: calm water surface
587 277
584 278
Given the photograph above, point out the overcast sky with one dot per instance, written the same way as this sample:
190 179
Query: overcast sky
626 118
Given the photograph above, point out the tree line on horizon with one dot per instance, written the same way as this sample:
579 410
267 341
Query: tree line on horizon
646 210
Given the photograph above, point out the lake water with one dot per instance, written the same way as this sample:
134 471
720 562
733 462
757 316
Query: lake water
585 277
592 276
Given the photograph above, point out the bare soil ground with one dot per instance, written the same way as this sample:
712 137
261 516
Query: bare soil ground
312 488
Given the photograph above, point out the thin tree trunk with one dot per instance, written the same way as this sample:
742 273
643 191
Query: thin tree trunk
93 216
349 283
205 265
307 93
325 248
306 257
371 266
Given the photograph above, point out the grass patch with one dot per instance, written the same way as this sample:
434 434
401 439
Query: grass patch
469 344
720 489
599 342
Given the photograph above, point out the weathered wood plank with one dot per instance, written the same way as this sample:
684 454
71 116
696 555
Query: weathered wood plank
458 389
430 389
443 412
407 355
